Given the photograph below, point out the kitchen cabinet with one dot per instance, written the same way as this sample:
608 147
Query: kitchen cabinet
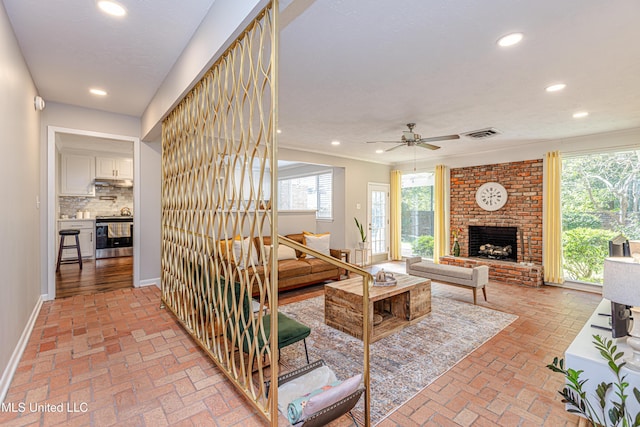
77 175
86 237
114 168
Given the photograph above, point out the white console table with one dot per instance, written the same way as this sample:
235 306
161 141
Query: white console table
582 355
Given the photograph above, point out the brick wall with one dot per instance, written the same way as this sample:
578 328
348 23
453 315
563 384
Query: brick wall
523 182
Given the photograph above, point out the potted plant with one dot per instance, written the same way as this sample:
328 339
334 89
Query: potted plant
612 397
363 234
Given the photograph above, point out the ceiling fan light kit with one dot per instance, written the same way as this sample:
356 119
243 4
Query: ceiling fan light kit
411 139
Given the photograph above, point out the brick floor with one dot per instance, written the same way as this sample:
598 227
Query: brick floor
116 358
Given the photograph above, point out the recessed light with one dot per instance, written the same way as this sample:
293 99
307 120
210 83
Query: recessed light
279 131
379 151
112 8
98 92
556 87
335 142
580 114
510 39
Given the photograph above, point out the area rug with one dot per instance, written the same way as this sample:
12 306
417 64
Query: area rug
401 364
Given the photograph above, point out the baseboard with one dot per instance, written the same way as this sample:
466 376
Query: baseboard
580 286
150 282
10 370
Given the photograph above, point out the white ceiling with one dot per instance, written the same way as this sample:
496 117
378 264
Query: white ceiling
356 71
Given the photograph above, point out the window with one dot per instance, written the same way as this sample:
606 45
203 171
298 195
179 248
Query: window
308 192
600 201
417 215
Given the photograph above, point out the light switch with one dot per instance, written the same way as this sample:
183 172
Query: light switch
357 205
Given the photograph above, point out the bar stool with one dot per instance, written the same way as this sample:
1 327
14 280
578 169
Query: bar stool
63 234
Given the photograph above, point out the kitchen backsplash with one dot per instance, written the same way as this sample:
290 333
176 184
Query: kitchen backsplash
108 201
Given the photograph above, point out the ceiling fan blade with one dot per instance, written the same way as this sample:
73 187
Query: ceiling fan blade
440 138
389 142
428 146
393 148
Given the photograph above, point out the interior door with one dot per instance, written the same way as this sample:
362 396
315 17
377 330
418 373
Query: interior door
378 221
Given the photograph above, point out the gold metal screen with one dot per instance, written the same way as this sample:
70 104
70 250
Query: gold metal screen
218 171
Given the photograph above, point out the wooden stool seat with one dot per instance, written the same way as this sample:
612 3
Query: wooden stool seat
63 235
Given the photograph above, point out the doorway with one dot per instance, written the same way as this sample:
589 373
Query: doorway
76 206
378 221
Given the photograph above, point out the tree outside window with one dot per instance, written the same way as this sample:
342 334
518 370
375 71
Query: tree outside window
600 200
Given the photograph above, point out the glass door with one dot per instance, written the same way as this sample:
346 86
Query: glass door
378 221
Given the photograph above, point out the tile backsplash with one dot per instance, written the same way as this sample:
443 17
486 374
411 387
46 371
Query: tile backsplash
108 201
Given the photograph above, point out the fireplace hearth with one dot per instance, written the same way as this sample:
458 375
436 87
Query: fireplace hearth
493 242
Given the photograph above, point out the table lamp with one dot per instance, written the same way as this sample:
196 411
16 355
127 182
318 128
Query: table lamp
622 285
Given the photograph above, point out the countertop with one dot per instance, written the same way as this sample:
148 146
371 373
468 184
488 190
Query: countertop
76 219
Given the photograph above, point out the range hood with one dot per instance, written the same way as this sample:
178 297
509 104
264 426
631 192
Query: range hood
107 182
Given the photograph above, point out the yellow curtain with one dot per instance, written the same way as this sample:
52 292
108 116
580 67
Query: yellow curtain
396 214
440 234
552 220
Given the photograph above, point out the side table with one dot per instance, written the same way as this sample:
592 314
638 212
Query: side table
364 257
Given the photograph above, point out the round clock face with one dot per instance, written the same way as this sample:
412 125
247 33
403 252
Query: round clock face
491 196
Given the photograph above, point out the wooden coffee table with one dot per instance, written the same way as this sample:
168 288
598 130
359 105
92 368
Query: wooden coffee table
400 305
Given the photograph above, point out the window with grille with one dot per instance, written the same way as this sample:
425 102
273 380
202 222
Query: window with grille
308 192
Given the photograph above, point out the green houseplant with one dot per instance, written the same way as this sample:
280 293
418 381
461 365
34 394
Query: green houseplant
614 394
363 233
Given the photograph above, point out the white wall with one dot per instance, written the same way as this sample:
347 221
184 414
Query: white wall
357 174
20 288
150 205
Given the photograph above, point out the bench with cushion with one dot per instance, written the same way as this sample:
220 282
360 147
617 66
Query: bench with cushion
474 278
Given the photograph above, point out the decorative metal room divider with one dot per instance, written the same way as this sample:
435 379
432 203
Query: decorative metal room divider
218 183
218 172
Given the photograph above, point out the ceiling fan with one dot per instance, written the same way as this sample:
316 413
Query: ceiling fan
411 139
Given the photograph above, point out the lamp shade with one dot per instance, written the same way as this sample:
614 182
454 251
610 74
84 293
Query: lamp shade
622 281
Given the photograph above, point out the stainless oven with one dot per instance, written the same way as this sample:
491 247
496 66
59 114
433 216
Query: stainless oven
114 236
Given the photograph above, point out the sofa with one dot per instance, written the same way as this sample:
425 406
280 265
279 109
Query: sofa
294 270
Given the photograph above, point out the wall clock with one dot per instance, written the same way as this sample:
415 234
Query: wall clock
491 196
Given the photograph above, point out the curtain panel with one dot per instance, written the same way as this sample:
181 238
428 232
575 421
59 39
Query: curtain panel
552 219
440 221
396 215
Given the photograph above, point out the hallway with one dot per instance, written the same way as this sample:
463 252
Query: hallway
97 275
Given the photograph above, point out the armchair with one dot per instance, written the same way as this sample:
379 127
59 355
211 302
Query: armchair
245 324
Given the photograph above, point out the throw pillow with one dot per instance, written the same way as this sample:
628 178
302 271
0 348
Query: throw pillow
244 253
284 252
303 385
331 396
295 409
319 242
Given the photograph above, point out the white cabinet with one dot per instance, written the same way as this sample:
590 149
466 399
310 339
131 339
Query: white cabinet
86 237
114 168
77 174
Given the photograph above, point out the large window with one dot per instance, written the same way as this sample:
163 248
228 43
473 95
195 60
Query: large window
600 201
308 192
417 215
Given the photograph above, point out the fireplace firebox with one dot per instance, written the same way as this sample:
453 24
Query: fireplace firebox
493 242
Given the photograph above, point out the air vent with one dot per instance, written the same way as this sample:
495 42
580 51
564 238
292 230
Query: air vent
483 133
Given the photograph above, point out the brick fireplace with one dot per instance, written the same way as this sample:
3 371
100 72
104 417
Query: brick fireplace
523 211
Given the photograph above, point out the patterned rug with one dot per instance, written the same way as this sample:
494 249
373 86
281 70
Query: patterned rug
401 364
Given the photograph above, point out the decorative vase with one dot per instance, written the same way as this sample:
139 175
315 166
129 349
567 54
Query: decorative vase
456 248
